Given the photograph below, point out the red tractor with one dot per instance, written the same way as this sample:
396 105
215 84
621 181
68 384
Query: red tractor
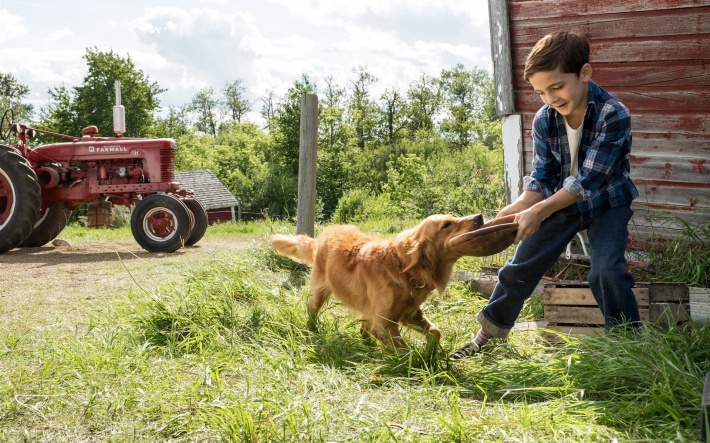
39 187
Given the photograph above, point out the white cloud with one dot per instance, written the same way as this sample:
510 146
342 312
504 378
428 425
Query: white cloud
13 27
60 34
188 45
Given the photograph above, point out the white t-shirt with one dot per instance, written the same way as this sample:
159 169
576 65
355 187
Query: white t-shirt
574 136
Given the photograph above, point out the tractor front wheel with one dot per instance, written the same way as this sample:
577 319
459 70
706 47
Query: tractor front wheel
160 223
200 216
52 220
20 198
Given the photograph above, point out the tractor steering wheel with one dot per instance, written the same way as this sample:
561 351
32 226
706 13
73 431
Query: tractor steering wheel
6 123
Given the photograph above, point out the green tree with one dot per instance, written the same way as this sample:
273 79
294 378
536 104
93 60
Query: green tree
393 117
174 125
363 110
267 109
234 101
287 125
92 102
424 95
465 95
204 105
12 96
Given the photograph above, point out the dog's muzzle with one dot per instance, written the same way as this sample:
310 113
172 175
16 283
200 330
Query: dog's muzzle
492 238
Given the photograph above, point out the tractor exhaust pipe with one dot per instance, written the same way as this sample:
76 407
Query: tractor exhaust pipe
119 113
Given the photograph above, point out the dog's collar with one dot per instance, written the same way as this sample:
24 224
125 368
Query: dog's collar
414 279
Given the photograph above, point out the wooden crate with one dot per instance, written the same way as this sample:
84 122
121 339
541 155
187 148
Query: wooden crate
571 308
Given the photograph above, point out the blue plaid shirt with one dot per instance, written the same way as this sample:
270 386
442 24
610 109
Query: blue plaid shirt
602 180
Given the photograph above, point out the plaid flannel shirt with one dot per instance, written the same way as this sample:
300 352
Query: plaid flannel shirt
602 180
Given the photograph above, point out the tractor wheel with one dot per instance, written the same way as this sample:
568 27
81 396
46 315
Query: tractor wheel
20 198
160 223
200 216
52 220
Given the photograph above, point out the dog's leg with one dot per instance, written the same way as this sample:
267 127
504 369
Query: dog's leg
365 327
420 323
387 332
316 299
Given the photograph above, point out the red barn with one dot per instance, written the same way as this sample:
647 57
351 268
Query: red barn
652 54
220 204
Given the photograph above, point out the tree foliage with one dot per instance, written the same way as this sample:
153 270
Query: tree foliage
13 95
432 146
235 102
92 103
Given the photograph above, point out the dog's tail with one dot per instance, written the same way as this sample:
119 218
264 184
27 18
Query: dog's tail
300 248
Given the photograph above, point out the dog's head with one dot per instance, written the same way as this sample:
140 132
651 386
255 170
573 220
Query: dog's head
426 246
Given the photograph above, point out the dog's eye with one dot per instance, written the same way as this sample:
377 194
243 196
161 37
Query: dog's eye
446 225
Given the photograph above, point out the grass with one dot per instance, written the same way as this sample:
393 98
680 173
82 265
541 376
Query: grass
223 355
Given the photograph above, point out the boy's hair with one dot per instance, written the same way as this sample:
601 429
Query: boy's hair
568 51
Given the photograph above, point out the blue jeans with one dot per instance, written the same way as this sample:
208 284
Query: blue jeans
608 279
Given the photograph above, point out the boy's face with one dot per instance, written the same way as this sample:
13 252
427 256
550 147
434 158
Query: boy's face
567 93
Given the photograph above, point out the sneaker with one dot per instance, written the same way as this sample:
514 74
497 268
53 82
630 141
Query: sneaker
469 349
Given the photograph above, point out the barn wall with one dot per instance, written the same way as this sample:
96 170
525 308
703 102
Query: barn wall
219 215
655 56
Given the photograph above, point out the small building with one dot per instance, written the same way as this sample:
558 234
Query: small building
652 54
220 204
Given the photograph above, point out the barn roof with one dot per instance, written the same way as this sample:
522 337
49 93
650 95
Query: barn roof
208 189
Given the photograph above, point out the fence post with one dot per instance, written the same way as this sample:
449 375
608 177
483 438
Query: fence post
308 149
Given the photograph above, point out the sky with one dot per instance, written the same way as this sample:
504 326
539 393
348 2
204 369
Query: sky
188 45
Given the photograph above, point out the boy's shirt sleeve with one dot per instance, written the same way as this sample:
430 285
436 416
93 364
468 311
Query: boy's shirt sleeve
546 167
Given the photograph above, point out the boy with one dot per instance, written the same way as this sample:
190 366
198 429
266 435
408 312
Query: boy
580 180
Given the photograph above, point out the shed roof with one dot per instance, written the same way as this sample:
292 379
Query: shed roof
208 189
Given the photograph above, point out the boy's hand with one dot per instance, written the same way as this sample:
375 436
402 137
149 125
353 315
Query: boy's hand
528 223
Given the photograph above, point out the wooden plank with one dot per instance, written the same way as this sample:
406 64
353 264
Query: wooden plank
669 313
580 315
522 10
615 26
501 54
657 122
691 148
679 74
582 296
669 292
639 99
633 51
573 315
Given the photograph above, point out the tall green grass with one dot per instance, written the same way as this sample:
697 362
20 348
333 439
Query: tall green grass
679 250
224 355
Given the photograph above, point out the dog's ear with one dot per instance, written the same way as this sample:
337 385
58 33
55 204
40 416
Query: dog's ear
416 251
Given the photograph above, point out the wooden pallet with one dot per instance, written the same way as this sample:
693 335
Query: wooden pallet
570 308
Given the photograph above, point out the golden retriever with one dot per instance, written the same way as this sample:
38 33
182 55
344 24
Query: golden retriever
385 280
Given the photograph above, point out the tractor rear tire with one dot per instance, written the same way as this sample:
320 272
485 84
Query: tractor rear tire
52 221
160 223
200 216
20 198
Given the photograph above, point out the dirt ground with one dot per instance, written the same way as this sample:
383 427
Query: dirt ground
59 286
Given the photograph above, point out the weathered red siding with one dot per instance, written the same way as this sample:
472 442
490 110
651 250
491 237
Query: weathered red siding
655 56
221 215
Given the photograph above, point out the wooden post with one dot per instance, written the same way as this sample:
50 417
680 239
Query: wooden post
705 413
308 151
